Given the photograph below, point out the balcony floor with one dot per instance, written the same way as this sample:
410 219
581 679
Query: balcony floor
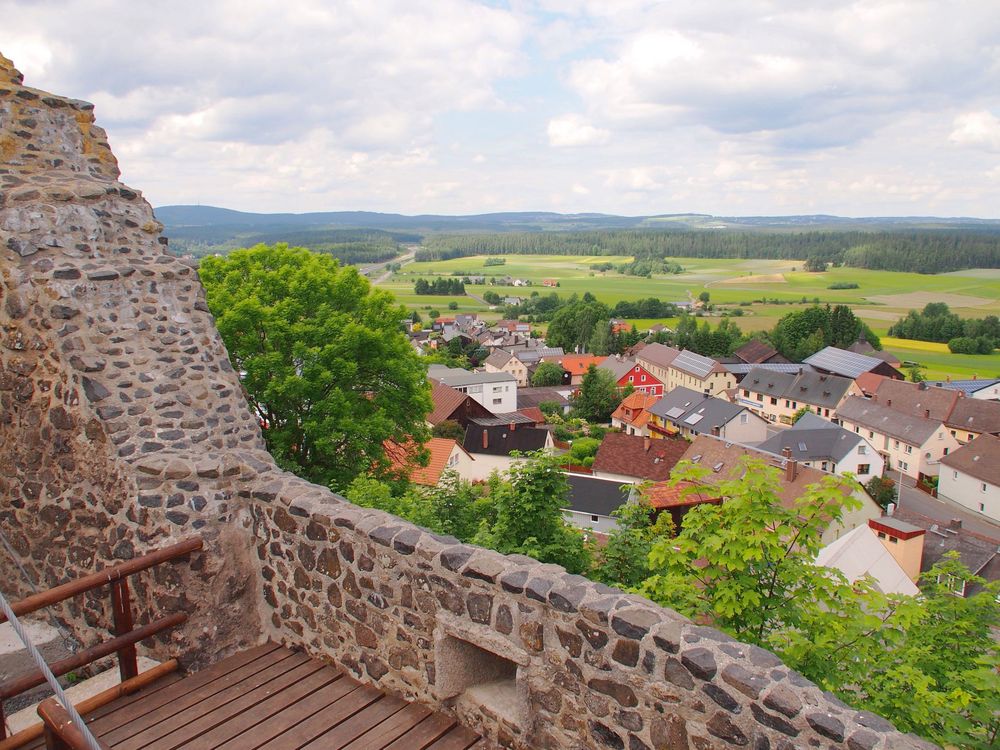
274 698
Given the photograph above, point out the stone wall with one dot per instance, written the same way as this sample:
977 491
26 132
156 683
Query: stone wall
123 426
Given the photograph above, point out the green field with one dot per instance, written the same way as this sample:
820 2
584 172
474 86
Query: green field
880 299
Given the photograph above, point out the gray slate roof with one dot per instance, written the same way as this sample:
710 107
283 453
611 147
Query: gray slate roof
658 354
498 358
888 421
617 367
813 444
742 368
695 411
843 362
595 496
454 376
814 388
968 387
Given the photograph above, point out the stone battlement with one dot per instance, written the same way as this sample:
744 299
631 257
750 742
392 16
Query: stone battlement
124 425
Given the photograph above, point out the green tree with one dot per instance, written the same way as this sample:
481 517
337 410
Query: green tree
598 396
547 373
527 516
926 663
449 429
624 559
882 490
573 324
600 342
915 373
323 363
800 413
705 297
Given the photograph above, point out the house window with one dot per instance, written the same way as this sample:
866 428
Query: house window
904 466
788 404
864 469
744 418
895 444
954 474
982 487
881 535
862 450
857 430
871 435
760 397
746 392
955 584
823 466
594 519
498 401
894 540
970 436
908 449
631 379
774 401
982 507
643 378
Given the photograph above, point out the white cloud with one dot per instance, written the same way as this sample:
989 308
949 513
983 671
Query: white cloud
573 130
977 129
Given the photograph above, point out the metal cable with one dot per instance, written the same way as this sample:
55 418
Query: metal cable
68 640
49 677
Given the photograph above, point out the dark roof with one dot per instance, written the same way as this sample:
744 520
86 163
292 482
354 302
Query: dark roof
916 399
634 456
527 397
617 367
742 368
595 496
979 459
756 351
500 441
813 444
843 362
888 421
500 420
975 415
498 358
677 402
809 387
977 552
446 400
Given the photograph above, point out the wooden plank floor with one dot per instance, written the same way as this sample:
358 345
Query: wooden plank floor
271 697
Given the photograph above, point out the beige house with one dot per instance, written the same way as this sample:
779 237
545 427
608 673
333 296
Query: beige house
677 368
503 361
971 476
777 396
909 444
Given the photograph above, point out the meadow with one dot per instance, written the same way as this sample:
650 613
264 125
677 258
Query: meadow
767 290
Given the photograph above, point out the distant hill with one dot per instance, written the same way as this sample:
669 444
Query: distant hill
367 236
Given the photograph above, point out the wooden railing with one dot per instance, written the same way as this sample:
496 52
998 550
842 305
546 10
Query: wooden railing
126 635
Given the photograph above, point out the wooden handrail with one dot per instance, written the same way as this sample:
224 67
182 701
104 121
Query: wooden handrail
60 731
35 677
103 577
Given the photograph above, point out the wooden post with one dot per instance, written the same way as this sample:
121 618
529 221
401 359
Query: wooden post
121 605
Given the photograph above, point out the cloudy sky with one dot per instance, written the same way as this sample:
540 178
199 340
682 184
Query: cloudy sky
731 107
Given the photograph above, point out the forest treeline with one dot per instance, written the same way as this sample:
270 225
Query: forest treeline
926 251
349 246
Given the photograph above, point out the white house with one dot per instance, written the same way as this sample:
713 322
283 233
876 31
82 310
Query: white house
813 441
592 500
497 391
970 476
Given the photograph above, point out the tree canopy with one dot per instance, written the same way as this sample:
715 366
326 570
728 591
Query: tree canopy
547 373
802 333
598 396
321 357
927 663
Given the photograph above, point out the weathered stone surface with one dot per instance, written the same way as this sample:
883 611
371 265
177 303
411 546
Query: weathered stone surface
743 680
827 725
700 662
721 726
620 692
783 699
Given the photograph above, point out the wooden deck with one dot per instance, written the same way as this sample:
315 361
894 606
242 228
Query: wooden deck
274 698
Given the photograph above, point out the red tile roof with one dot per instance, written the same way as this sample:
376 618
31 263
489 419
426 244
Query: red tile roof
403 458
634 456
533 412
632 409
662 495
446 399
575 364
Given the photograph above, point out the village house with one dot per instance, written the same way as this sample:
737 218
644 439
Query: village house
970 476
757 352
555 394
908 444
632 413
778 396
724 460
444 454
965 418
674 368
631 459
688 413
591 502
450 405
987 389
850 364
815 442
491 446
879 550
497 391
628 372
575 365
501 360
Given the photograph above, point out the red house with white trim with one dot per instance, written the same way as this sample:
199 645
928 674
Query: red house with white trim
629 373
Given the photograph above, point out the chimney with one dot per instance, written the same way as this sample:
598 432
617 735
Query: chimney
927 413
645 444
716 431
955 524
786 452
486 438
888 401
513 426
791 469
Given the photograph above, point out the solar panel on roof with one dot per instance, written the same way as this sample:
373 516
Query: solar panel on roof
694 419
802 447
675 412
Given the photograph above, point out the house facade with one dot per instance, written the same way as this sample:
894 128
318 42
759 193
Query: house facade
814 442
908 444
971 476
688 413
680 368
778 396
506 362
497 391
632 413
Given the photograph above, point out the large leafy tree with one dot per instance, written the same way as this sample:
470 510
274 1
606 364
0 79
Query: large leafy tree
573 325
598 396
547 373
927 663
322 360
